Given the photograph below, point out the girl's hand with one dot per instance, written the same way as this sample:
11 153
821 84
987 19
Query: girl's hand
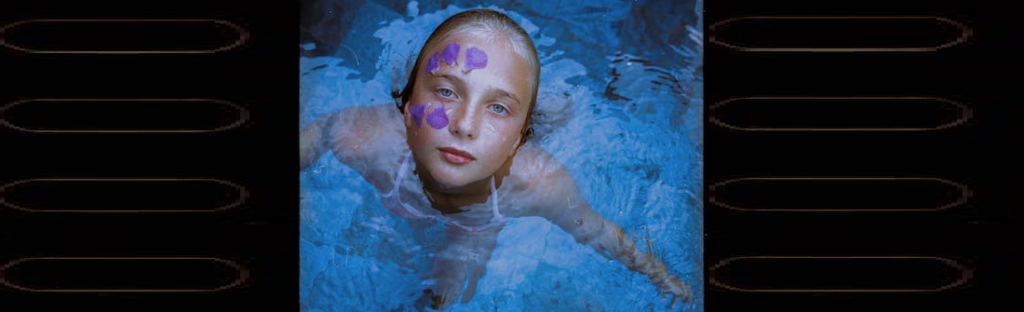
674 287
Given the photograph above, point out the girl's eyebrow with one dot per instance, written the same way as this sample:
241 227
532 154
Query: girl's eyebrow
461 84
503 93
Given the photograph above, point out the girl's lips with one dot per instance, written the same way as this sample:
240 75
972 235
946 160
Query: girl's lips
456 156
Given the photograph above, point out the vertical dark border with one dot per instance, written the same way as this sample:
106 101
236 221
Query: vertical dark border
976 154
259 155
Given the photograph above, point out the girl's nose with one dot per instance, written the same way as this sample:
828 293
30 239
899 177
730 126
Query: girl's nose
464 121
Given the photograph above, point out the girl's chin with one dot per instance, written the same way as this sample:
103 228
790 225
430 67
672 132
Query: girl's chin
451 181
450 184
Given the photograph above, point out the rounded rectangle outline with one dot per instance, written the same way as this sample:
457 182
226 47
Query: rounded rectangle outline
965 192
242 113
966 275
243 195
965 113
243 36
965 33
243 275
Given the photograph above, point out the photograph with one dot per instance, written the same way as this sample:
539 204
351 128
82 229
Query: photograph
501 155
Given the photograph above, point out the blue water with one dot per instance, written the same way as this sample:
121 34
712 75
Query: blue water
620 105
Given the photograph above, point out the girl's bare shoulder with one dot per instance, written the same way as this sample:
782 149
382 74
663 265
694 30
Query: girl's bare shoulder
541 179
532 162
359 129
367 137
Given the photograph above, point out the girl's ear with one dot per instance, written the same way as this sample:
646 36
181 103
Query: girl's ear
406 116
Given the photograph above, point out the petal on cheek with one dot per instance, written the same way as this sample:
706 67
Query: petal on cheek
437 118
451 54
417 113
475 58
433 64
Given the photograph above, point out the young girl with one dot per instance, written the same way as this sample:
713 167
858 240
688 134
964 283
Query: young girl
456 151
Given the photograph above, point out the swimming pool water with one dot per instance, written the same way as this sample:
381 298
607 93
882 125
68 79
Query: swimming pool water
620 105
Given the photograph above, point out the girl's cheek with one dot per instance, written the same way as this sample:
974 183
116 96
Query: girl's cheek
437 118
417 112
504 134
492 127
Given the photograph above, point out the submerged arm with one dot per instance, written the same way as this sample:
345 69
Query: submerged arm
611 241
360 136
311 141
561 202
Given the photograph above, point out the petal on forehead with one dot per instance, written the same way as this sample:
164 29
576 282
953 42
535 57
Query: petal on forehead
433 64
475 58
450 54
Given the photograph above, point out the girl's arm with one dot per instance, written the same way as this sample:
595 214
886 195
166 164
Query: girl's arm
311 141
560 201
360 136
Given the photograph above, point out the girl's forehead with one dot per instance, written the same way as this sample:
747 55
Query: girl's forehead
496 44
491 56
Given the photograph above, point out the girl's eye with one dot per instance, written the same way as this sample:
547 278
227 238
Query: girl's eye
501 110
445 92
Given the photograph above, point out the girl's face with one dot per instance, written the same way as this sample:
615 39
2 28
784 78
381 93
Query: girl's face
464 120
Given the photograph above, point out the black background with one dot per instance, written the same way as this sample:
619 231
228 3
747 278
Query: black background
977 154
261 235
259 76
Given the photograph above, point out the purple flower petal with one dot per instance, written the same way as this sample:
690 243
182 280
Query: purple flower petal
450 54
433 64
437 118
475 58
417 113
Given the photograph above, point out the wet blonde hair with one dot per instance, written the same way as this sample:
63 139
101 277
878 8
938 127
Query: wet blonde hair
491 26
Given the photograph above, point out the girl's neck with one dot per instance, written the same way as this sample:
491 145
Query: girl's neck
451 200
